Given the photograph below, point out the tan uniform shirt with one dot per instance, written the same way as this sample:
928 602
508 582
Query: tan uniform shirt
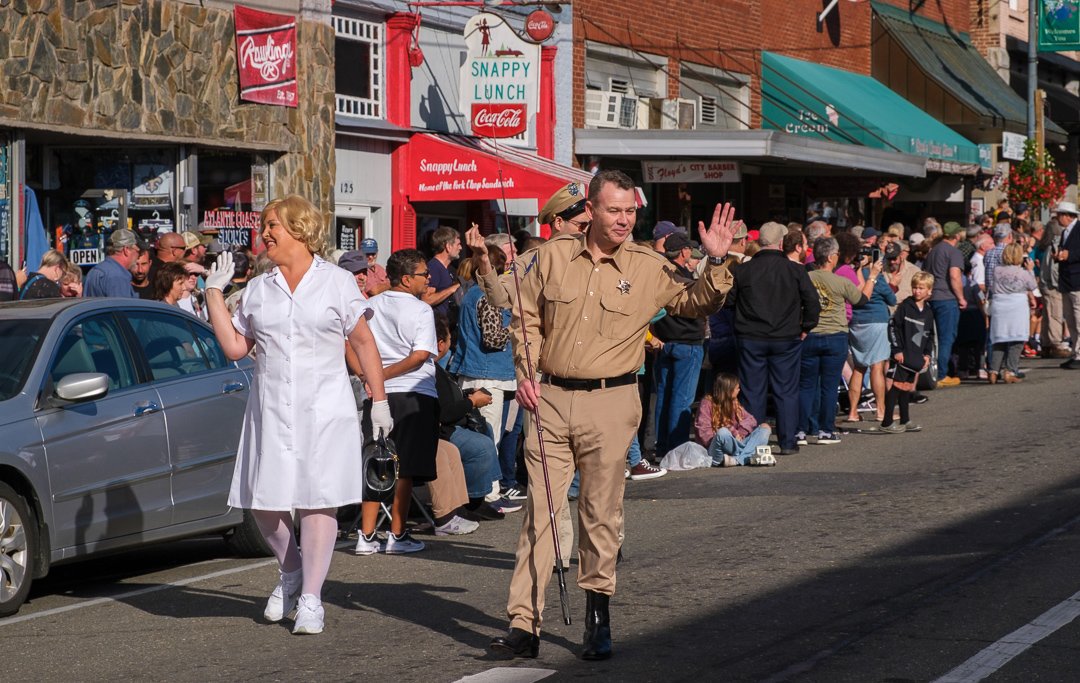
588 320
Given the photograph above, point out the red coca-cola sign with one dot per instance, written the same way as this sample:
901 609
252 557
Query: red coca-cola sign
539 25
498 120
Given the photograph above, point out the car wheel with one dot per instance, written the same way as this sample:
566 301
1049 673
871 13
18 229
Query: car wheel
18 536
246 540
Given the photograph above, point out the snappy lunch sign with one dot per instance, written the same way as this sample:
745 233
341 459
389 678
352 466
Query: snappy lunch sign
500 78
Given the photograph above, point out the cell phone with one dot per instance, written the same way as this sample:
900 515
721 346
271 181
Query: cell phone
875 255
482 390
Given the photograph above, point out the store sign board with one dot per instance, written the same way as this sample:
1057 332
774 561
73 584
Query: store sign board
85 257
1012 146
691 171
266 56
1059 25
986 157
234 227
500 78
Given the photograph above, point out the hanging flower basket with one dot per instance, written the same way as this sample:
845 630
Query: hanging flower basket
1037 187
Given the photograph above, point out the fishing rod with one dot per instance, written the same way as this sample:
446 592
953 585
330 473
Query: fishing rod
564 599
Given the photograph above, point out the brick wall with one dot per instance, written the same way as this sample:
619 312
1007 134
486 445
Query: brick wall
731 34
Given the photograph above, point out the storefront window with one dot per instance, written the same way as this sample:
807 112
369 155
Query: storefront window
232 190
86 193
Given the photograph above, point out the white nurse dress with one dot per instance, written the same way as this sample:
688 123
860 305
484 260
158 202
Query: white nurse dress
301 443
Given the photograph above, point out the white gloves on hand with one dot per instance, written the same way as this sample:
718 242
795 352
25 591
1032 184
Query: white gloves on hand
380 418
221 273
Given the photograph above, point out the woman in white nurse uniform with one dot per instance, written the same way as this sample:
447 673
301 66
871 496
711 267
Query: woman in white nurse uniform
301 444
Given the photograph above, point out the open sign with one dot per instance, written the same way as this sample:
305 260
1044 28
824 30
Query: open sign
85 257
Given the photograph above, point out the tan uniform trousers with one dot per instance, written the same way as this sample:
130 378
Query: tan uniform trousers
593 429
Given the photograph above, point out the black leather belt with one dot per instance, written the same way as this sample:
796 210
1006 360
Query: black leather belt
590 384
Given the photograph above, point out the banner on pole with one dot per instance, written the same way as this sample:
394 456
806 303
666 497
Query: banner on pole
266 56
1059 25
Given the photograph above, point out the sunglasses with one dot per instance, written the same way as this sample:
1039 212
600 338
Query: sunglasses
426 274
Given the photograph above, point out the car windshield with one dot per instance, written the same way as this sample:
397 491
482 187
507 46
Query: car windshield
19 340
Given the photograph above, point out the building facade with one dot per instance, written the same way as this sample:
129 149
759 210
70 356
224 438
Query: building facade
120 114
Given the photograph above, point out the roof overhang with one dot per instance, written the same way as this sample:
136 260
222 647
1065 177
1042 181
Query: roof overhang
768 147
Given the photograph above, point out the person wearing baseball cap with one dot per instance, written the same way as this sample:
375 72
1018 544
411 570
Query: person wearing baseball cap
377 279
946 263
1068 258
662 231
195 246
356 263
565 211
112 277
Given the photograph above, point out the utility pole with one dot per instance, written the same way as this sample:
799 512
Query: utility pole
1040 132
1033 65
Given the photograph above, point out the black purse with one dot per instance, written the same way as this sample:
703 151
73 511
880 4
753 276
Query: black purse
380 465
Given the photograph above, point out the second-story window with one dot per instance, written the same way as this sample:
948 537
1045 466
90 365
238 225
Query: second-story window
358 67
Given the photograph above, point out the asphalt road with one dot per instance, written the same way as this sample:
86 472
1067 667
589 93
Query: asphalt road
883 558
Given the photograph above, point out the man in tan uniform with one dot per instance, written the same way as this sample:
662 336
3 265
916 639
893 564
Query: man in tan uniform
587 303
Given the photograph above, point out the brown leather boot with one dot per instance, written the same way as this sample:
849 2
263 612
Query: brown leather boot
1010 378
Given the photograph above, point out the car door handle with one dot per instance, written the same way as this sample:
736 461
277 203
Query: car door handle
146 407
232 387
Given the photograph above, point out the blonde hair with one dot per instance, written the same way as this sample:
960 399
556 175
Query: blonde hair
72 273
300 219
896 230
1013 255
53 258
465 269
922 278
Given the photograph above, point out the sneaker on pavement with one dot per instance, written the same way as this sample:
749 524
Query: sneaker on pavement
514 493
283 599
827 438
800 438
482 513
368 545
919 399
309 615
728 461
894 428
505 505
948 382
643 470
457 527
912 427
794 450
398 545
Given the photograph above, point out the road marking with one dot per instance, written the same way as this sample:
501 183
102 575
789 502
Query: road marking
149 589
507 674
1003 651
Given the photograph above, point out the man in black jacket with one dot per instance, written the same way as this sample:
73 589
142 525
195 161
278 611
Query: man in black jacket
775 306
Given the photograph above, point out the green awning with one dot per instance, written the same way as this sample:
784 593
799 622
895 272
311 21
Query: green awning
948 58
819 101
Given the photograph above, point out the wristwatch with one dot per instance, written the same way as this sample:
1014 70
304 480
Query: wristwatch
717 260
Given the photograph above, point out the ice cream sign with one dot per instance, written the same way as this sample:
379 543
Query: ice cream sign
499 80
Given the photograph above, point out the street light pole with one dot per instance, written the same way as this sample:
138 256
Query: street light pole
1032 65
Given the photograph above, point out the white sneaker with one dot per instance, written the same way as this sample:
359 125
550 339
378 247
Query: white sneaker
368 545
283 599
397 545
309 615
800 438
457 527
494 494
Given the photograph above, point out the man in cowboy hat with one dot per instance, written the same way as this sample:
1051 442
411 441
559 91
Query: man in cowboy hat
1068 257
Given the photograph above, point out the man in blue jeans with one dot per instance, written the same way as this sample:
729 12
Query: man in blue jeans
678 362
946 263
775 306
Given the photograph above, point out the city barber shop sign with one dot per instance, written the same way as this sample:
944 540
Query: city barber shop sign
500 78
690 171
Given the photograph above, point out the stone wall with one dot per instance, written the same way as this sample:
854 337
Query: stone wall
163 70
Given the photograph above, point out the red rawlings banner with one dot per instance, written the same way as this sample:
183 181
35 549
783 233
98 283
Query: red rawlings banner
498 120
266 55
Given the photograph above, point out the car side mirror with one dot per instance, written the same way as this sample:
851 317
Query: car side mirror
82 386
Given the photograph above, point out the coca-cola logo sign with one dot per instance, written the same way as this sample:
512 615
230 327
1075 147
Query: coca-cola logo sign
498 120
539 25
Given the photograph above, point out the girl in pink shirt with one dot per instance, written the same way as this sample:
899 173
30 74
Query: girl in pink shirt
731 434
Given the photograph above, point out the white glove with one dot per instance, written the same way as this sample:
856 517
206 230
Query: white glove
380 418
221 273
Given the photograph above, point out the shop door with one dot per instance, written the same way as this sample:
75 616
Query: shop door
351 225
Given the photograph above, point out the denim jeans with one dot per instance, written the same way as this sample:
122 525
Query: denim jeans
678 367
633 455
822 364
946 320
726 443
766 364
479 459
508 449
